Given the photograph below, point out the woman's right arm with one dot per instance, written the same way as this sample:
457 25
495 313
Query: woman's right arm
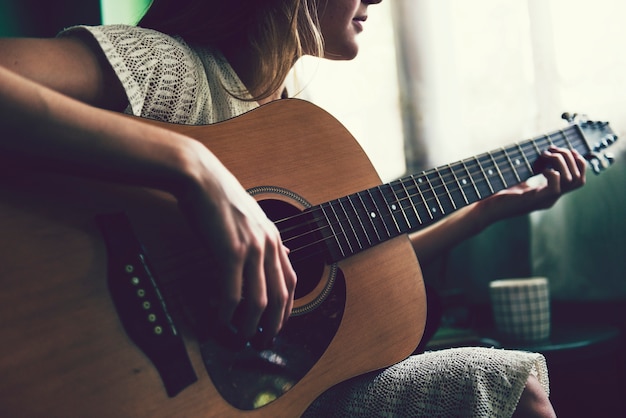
53 99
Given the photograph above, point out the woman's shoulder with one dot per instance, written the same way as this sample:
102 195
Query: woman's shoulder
165 78
149 64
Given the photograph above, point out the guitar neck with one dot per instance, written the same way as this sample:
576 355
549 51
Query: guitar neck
361 220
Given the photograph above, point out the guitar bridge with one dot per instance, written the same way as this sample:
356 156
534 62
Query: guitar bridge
140 305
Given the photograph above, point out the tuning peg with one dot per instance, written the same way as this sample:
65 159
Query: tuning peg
573 117
598 164
596 124
605 142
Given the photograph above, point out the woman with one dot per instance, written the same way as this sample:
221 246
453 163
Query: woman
206 61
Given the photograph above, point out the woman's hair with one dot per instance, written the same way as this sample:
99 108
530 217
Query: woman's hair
275 32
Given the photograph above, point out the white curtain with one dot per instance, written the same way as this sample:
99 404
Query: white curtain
487 73
484 73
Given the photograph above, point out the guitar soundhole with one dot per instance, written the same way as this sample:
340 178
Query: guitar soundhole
250 378
310 269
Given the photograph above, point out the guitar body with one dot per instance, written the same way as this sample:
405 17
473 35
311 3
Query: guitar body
64 350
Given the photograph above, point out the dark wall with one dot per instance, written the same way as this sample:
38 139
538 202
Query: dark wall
44 18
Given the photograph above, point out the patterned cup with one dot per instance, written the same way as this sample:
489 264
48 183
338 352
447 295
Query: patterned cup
521 308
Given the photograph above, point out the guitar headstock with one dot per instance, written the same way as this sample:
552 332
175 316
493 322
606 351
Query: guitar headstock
598 136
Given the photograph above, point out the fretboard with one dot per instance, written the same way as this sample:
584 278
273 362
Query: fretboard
367 218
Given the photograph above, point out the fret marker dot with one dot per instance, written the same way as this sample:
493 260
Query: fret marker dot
394 207
373 215
464 181
518 162
490 172
420 180
434 210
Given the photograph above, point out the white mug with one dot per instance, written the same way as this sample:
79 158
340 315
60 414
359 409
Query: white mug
521 308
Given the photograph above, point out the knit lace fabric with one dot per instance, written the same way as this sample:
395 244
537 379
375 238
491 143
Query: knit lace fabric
168 80
459 382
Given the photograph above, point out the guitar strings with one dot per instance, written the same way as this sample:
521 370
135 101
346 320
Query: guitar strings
472 166
446 180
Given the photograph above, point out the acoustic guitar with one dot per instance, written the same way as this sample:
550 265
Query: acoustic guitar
101 282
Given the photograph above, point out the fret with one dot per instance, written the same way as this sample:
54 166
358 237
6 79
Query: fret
460 183
379 216
486 178
469 175
579 143
431 193
333 233
579 140
537 150
418 200
419 196
547 142
528 165
411 203
512 171
381 201
515 162
424 195
400 199
498 170
395 209
566 141
444 196
352 228
339 233
508 167
359 216
540 148
433 184
366 215
371 214
445 186
551 140
344 231
491 172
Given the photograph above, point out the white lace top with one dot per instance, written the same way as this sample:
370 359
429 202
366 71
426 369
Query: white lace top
168 80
